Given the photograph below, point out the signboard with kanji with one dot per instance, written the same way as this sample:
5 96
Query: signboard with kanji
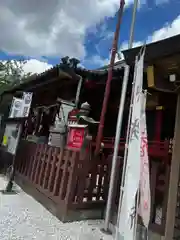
20 107
76 136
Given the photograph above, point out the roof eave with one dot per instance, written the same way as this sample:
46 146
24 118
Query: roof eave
155 50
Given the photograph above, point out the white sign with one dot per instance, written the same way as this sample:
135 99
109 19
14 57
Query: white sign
16 107
21 107
11 137
145 197
26 104
126 226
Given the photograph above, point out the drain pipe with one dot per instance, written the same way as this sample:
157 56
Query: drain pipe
78 90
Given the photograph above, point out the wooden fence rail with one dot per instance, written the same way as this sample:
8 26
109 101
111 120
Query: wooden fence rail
74 183
63 176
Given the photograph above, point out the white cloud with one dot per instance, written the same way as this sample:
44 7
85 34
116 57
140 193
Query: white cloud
124 45
36 66
98 61
32 66
48 28
168 30
51 28
158 2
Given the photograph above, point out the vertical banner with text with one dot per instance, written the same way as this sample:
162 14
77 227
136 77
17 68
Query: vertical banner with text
126 223
145 197
26 104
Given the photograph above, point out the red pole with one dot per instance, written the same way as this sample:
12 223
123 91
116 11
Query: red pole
110 72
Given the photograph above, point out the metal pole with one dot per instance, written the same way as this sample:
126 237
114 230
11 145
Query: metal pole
116 148
130 114
131 38
110 72
118 131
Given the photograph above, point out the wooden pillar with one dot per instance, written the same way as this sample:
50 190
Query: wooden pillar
158 123
174 177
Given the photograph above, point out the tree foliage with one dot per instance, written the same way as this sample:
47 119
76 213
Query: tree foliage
11 73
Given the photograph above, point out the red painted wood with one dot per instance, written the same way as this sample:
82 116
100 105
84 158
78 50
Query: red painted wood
42 164
52 153
34 163
75 183
155 148
38 166
158 125
56 169
64 174
72 179
32 158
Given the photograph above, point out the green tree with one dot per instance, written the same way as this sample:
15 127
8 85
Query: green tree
12 73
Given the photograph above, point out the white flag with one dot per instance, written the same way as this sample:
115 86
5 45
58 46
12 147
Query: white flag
126 226
145 197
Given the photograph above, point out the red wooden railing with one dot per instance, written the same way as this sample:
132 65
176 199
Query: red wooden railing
74 183
158 149
63 176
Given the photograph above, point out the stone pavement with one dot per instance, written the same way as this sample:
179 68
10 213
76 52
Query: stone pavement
21 217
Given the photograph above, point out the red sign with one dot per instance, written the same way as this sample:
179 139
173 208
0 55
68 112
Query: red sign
75 137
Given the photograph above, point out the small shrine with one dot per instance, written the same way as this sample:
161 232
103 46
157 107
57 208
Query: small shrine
56 153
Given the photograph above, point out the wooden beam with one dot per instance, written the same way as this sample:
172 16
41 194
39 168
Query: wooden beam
150 76
157 80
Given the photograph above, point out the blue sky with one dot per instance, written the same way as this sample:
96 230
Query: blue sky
149 18
155 20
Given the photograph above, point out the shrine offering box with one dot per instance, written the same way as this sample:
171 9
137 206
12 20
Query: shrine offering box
76 135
